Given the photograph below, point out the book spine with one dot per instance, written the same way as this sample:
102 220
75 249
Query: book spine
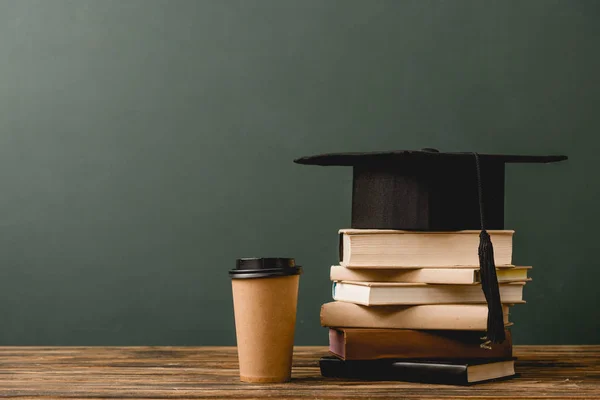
341 246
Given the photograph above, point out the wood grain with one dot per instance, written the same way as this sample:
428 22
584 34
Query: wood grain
211 372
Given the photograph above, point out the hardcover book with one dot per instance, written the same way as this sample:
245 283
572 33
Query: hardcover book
457 372
386 293
471 317
372 344
456 276
375 248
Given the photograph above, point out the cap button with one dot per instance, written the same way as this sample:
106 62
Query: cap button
430 150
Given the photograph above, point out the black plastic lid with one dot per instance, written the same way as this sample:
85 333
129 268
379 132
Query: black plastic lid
246 268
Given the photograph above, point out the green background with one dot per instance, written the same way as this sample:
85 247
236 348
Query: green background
146 144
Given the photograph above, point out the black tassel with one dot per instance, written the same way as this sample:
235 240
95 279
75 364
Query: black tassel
489 280
489 284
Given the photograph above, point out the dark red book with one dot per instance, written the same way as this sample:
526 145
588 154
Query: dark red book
372 344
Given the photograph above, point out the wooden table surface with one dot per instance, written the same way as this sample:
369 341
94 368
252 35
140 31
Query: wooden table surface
211 372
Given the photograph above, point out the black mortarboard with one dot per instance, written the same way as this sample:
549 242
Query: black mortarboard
429 190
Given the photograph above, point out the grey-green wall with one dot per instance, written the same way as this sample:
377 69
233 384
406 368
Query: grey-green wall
147 144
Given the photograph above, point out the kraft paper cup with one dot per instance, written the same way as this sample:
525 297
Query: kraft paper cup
265 296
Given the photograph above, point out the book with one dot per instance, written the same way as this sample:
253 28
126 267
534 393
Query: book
373 248
372 344
392 293
471 317
465 276
455 372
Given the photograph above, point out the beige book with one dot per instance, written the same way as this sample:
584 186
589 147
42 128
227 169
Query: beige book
468 317
465 276
387 293
372 248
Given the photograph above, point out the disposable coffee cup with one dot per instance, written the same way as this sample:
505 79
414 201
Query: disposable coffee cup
265 295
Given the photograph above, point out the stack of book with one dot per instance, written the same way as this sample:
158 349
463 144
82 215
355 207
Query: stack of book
409 306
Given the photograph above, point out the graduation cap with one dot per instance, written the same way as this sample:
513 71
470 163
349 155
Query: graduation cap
428 190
